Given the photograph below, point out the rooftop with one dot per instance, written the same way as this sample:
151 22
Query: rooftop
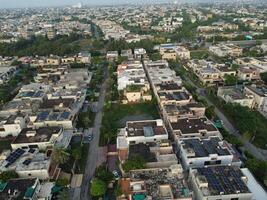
193 125
29 135
147 128
205 147
152 181
222 180
259 90
17 189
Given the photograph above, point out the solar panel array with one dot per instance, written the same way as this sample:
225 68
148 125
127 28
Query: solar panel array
45 115
224 179
14 156
206 147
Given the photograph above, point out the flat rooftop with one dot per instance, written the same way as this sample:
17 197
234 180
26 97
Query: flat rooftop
22 186
29 135
222 180
51 103
193 125
145 128
177 96
259 90
205 147
154 179
169 86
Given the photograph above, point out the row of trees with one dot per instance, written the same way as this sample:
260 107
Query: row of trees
99 184
252 124
61 45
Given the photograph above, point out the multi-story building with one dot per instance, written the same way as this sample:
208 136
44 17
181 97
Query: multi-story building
259 94
248 73
165 183
193 127
236 94
223 50
27 163
43 138
198 153
12 125
219 182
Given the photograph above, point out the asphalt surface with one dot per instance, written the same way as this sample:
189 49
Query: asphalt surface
92 156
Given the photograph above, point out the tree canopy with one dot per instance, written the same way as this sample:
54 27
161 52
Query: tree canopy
135 162
7 175
98 188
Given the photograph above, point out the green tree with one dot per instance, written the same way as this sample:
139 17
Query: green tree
230 79
7 175
247 136
64 195
103 174
63 182
135 162
76 153
210 112
60 155
98 188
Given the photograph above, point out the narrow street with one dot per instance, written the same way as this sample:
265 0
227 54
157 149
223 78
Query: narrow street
92 156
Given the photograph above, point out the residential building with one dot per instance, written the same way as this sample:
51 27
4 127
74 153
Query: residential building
21 188
219 182
112 55
27 163
157 184
193 127
12 125
259 94
223 50
43 138
137 132
248 73
236 94
198 153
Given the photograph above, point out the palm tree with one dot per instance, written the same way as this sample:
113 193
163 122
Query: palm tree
60 155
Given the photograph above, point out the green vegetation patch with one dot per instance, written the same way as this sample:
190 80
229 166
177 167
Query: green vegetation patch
113 113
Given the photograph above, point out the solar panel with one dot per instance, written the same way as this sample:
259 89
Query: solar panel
27 162
31 150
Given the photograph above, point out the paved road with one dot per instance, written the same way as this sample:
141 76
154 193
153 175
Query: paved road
241 42
231 129
229 126
92 156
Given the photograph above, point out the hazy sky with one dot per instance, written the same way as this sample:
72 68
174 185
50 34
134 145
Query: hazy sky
37 3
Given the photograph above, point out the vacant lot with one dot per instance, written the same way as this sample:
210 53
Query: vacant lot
117 114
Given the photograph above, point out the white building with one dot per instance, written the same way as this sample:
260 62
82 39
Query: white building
260 96
197 153
12 125
219 182
27 163
236 94
43 138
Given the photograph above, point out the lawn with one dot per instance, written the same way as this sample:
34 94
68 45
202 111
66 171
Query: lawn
114 115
